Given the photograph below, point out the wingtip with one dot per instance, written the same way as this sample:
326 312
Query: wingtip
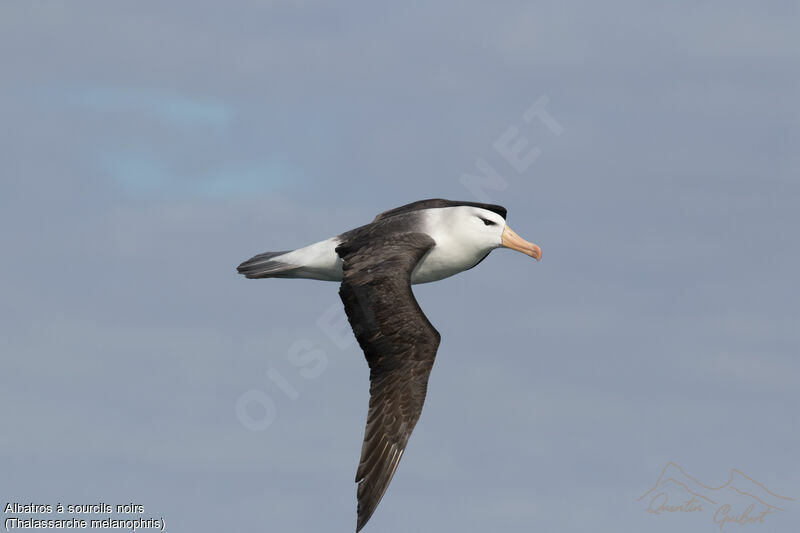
362 516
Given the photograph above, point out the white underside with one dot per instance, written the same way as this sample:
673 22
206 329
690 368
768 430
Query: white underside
320 261
457 248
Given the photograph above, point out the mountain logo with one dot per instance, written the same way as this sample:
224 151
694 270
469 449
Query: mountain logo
740 500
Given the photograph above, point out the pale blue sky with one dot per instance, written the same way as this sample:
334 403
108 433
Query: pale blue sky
147 148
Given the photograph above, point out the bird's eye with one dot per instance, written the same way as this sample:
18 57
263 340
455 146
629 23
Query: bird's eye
487 221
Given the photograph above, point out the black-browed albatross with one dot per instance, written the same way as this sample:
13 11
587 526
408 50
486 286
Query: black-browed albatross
376 264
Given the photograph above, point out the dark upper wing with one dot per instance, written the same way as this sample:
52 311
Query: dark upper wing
399 344
438 202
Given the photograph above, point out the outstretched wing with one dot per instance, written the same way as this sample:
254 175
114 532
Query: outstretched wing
400 345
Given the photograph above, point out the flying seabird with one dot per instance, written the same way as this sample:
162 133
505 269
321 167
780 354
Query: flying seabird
376 264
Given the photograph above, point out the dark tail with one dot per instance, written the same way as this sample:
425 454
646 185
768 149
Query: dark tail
266 266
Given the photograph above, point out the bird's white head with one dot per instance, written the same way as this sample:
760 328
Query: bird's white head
485 230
